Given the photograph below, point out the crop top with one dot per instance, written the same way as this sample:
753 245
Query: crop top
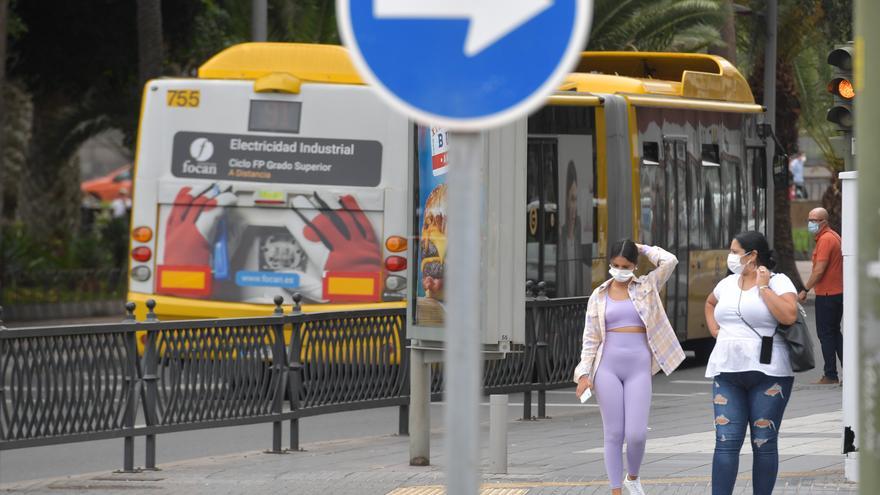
619 314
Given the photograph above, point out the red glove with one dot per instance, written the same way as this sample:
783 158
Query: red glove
348 234
185 244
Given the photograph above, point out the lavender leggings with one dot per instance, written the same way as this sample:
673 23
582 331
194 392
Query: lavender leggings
623 391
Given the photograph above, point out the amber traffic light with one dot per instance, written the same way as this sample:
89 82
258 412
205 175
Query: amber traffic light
841 87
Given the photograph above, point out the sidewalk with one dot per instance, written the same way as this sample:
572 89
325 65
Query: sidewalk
561 455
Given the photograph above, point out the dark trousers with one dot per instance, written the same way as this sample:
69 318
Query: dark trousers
829 311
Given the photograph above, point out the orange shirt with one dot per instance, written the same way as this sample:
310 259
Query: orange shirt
828 249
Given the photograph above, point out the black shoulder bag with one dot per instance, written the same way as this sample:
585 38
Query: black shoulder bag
796 335
800 344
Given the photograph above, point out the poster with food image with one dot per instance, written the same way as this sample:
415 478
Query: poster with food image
432 167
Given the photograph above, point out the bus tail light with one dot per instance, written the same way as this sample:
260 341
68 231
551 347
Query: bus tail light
141 253
395 244
142 234
395 263
141 273
395 283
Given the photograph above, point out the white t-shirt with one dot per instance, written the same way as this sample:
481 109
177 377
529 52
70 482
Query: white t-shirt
738 348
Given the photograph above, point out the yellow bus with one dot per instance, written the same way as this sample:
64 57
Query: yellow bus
278 171
267 175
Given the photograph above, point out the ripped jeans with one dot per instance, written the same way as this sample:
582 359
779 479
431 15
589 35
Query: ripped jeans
756 400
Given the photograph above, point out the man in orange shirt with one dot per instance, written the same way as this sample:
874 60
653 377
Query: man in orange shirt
827 280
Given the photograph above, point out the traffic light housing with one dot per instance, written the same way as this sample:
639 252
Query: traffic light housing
842 88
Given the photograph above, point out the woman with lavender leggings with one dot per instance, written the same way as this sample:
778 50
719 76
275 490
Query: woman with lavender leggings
627 339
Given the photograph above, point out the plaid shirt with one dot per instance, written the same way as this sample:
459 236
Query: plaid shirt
645 294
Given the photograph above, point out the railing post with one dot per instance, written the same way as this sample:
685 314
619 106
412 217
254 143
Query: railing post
150 388
541 364
131 378
530 325
3 354
279 370
294 367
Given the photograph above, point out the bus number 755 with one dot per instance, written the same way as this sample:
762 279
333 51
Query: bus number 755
182 98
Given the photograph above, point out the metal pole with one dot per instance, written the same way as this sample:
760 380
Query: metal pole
867 118
770 104
419 410
462 354
849 236
259 10
498 434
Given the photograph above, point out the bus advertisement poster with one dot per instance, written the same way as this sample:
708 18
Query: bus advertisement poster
321 245
432 167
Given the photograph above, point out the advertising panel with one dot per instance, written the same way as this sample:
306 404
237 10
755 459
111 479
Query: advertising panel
224 244
574 253
291 160
433 164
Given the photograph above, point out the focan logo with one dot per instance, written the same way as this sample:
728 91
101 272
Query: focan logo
439 151
201 149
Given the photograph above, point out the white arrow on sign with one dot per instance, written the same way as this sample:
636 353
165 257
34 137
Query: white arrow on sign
490 20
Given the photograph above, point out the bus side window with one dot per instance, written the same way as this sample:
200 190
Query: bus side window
733 196
711 168
651 184
695 200
757 165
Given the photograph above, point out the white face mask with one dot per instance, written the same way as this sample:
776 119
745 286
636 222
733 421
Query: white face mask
620 275
734 262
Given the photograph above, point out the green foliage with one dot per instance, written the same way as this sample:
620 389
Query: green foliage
87 249
656 25
808 30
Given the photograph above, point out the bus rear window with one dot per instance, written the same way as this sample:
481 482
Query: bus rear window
274 116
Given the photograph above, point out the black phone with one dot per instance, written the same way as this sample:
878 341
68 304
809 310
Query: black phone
766 350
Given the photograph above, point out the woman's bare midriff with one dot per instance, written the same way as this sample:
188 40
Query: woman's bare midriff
629 330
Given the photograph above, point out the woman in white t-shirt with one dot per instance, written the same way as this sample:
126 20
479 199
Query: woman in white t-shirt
750 363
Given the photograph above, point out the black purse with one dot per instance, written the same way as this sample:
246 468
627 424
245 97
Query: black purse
796 335
800 344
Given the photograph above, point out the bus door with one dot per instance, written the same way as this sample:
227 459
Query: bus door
542 195
675 164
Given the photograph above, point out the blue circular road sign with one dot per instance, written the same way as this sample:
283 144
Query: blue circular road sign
465 64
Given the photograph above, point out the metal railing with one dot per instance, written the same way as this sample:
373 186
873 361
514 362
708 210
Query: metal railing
145 378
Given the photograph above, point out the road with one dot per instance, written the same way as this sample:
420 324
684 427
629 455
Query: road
686 386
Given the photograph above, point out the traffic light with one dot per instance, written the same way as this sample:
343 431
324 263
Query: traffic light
841 86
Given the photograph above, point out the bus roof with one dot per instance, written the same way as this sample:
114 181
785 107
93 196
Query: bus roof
303 61
688 75
283 66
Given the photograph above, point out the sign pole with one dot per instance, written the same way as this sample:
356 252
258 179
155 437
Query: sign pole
462 365
867 118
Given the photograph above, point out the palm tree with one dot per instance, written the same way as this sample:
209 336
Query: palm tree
656 25
804 30
149 27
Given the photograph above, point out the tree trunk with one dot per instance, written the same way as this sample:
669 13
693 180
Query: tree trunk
728 34
832 201
4 14
4 23
149 27
49 195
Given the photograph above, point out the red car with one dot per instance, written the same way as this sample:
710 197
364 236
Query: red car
109 187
